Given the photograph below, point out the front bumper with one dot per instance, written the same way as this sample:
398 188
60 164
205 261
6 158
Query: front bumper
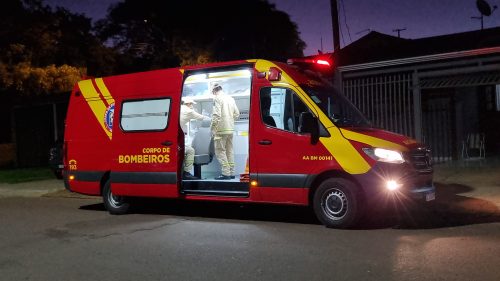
412 185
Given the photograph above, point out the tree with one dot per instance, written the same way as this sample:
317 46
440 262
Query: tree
47 51
153 34
28 80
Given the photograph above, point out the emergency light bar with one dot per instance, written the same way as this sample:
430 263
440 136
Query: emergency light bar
316 61
323 62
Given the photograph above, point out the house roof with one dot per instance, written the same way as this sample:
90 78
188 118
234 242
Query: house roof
376 46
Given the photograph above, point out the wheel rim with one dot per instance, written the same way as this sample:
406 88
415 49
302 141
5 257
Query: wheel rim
334 204
114 200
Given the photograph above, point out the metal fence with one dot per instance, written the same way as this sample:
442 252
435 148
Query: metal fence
387 100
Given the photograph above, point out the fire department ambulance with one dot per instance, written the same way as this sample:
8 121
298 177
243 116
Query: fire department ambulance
296 141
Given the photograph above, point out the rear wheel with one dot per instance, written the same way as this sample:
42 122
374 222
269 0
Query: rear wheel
116 205
337 204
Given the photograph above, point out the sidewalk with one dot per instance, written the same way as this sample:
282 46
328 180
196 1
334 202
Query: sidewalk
31 189
478 179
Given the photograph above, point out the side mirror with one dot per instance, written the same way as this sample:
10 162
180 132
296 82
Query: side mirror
308 123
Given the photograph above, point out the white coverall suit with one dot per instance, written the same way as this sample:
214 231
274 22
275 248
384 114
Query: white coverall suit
224 113
188 114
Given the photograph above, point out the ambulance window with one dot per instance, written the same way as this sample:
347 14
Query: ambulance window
281 108
145 115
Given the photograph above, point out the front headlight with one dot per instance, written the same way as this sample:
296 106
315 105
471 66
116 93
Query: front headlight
385 155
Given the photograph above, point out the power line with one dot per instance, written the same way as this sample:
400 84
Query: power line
342 36
367 30
345 20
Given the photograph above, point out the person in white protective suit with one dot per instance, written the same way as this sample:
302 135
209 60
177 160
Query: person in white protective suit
188 114
224 113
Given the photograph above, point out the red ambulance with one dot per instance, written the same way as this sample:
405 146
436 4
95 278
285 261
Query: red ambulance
297 141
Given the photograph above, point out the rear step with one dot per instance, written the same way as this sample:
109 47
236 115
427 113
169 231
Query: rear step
216 188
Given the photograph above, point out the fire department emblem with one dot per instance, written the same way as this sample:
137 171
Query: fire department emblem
108 117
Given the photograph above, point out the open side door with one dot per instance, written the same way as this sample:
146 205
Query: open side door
146 136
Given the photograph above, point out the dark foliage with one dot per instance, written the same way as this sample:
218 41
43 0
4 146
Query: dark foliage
154 34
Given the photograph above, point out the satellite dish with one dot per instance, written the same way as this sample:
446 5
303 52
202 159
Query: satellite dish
484 8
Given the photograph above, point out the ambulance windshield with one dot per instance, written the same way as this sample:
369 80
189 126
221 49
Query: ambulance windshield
338 108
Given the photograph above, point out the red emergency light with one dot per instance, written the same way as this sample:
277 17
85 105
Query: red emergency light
323 62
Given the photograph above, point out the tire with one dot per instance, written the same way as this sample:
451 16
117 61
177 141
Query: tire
337 204
116 205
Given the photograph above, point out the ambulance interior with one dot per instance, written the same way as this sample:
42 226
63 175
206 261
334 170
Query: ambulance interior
198 86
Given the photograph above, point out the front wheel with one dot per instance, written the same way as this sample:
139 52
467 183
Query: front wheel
337 204
116 205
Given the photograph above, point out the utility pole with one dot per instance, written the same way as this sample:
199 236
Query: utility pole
335 25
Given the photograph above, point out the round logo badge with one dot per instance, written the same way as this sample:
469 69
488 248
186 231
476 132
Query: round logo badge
108 117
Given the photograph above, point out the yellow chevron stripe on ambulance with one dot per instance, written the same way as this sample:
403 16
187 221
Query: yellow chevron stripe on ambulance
100 102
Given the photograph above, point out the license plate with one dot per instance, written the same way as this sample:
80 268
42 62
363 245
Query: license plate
430 196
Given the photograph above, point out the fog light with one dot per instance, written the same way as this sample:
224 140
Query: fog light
392 185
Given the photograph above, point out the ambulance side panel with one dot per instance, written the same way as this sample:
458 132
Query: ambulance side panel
87 146
98 148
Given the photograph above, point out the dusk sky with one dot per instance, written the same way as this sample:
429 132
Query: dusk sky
421 18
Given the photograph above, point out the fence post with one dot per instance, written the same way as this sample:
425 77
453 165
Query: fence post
417 106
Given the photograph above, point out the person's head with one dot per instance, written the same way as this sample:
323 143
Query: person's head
189 102
216 88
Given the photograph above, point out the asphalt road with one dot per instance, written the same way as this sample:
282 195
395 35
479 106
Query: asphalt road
75 239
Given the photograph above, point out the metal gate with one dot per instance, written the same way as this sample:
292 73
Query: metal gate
438 126
387 100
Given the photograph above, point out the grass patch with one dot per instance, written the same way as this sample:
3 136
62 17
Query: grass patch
25 175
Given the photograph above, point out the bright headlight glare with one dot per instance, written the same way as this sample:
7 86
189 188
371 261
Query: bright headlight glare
384 155
392 185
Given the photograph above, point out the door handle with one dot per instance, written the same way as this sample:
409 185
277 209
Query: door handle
265 142
167 143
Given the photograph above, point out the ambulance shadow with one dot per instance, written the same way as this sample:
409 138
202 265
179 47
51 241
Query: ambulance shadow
93 207
232 211
218 210
450 209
